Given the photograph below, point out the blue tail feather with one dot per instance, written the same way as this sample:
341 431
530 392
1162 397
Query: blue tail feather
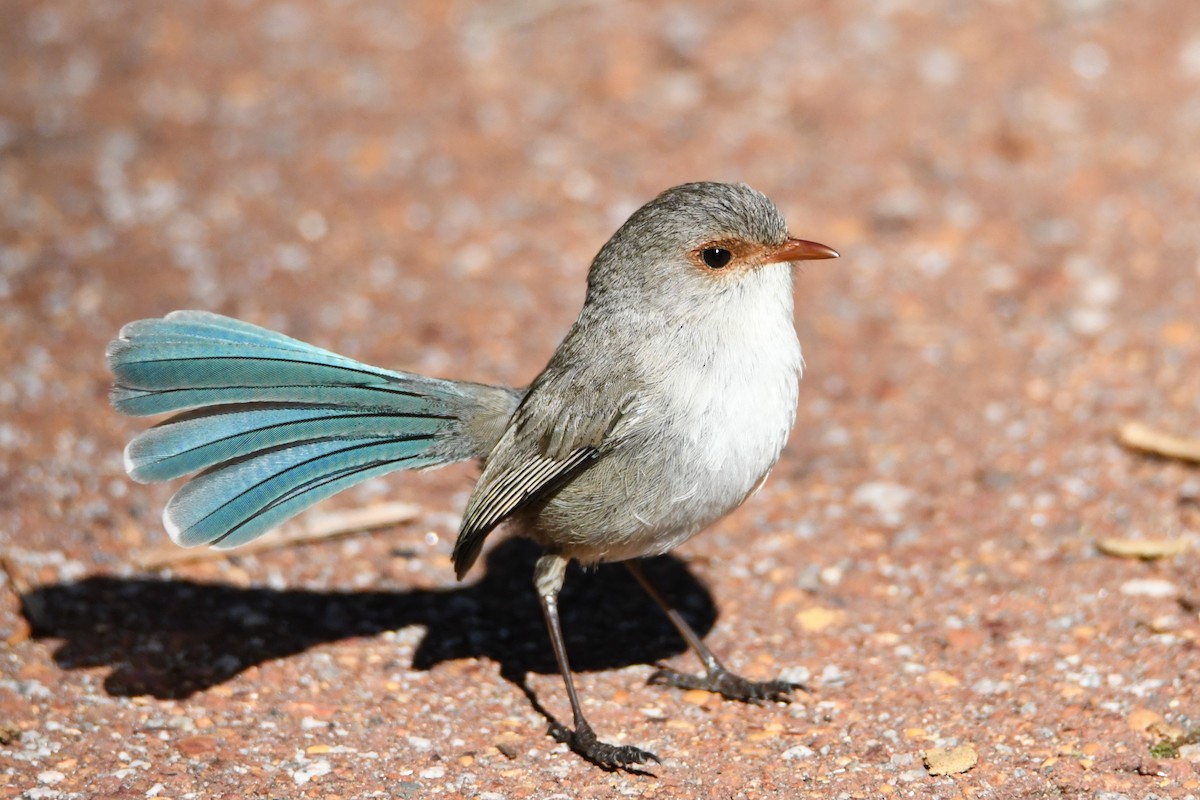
211 327
277 424
169 364
232 504
187 444
147 402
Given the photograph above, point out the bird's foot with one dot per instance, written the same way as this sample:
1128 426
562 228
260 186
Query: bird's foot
609 757
729 685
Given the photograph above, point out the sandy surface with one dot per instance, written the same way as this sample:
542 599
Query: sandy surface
1013 187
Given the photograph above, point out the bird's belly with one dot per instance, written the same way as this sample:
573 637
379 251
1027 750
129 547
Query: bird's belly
656 492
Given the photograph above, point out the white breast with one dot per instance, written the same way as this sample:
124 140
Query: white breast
710 422
732 392
741 394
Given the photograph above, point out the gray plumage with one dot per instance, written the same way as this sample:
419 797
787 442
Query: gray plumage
665 406
679 386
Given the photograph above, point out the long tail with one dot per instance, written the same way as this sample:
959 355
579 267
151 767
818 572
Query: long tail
276 424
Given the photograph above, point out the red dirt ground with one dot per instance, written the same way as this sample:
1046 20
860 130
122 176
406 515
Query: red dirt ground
1014 189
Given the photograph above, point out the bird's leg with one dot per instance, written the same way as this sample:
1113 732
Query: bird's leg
548 577
716 677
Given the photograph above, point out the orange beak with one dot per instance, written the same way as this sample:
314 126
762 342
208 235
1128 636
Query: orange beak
799 250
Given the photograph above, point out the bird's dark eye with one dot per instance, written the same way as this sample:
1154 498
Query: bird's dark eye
716 257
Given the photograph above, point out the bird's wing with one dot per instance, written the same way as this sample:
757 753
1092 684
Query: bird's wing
546 446
509 492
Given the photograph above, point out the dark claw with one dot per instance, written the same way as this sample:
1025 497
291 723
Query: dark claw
728 685
608 757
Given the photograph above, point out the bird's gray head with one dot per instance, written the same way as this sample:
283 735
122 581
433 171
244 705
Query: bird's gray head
697 237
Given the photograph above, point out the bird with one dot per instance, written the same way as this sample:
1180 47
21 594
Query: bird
666 405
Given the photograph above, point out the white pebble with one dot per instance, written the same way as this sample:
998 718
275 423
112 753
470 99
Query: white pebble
797 753
1189 57
1090 61
887 500
312 226
420 743
313 770
1149 587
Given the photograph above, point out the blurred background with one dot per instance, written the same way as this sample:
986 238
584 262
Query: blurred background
1013 188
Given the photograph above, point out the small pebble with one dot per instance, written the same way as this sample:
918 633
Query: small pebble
1141 719
1149 587
420 744
887 500
797 753
508 743
817 618
313 770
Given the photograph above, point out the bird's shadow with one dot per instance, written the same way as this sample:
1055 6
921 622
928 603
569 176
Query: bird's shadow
171 638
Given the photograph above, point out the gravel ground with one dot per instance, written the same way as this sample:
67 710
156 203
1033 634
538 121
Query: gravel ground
1013 187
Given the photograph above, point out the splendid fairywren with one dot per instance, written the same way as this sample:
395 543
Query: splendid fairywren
663 409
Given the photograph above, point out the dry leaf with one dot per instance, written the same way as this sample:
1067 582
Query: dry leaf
950 760
1138 436
1141 548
